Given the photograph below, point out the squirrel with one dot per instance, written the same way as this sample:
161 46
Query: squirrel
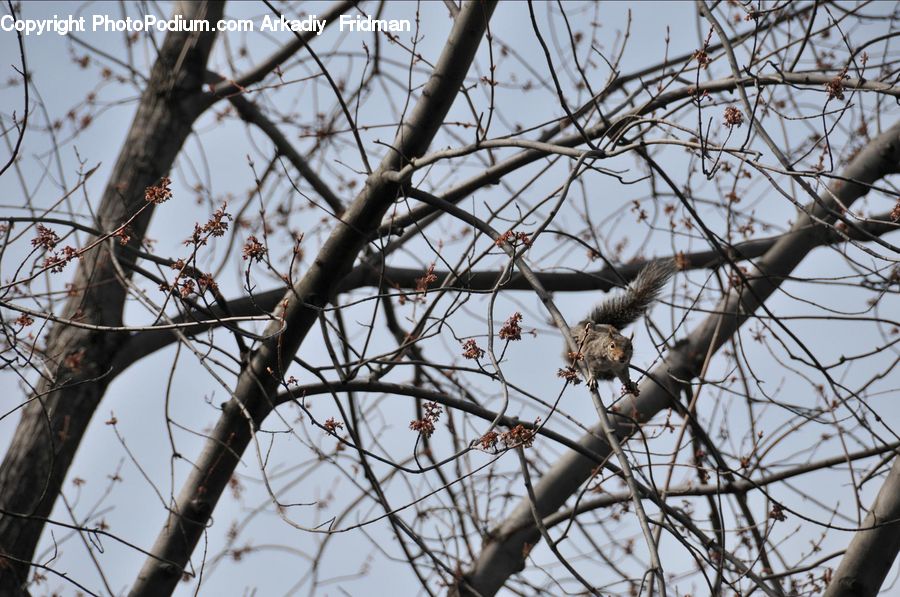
605 350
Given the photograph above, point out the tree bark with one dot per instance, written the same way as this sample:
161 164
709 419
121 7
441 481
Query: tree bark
55 419
874 547
503 554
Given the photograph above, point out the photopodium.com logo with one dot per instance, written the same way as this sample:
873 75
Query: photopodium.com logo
106 24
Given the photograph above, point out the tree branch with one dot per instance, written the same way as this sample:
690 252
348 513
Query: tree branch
144 343
874 546
253 397
54 422
503 555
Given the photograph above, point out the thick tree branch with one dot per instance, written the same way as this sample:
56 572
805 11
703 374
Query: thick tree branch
54 422
253 397
146 342
874 547
503 556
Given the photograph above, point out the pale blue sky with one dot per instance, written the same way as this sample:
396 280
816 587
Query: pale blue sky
218 156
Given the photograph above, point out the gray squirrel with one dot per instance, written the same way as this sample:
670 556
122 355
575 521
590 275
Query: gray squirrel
605 350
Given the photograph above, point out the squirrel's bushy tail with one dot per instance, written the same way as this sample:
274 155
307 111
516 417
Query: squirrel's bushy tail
627 307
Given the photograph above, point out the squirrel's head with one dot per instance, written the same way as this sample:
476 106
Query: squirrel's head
618 349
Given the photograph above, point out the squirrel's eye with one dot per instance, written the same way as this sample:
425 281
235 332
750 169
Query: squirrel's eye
612 344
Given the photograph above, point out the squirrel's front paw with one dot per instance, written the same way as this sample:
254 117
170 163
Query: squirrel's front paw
631 388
